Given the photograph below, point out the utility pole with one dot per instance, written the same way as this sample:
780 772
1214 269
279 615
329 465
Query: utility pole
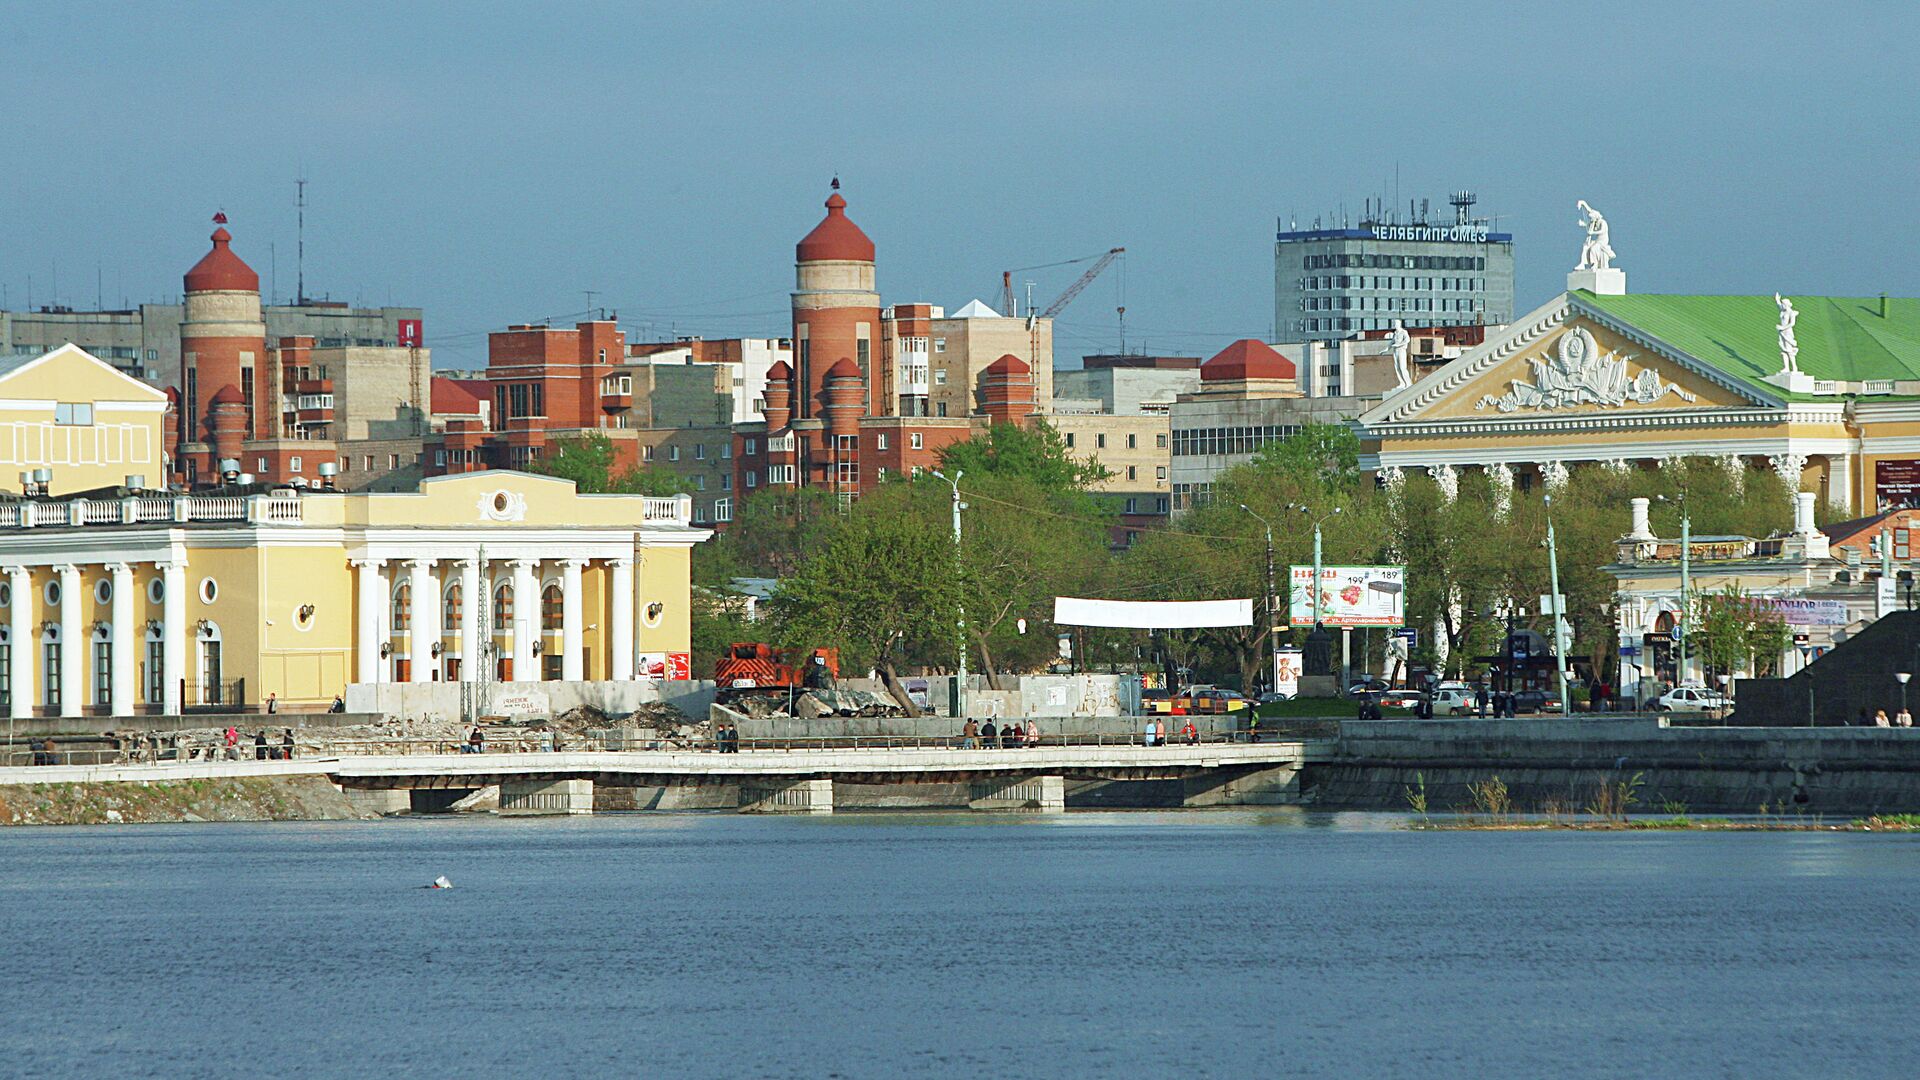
1273 631
1559 613
960 686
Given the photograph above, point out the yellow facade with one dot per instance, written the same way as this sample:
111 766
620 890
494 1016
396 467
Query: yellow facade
87 424
296 595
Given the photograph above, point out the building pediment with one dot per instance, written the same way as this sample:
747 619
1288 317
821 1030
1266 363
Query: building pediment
1566 361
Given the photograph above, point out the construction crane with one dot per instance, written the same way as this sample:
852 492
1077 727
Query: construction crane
1103 260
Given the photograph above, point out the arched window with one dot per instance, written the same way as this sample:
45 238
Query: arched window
551 606
503 608
451 611
402 607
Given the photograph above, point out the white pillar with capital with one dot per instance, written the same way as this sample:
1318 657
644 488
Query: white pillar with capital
73 641
24 643
425 621
472 658
373 597
620 622
125 641
526 616
572 640
173 635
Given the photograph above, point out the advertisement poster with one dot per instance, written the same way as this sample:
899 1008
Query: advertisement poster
660 665
1896 483
1286 672
1349 595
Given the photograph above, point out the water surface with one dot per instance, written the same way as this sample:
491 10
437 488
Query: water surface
1233 943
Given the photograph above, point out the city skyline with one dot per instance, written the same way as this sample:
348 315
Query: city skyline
664 161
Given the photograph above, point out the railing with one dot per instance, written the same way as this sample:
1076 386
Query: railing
1877 386
136 509
673 508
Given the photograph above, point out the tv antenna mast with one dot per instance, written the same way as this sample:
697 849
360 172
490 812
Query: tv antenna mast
300 257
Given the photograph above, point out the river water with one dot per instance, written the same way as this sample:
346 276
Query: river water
1230 944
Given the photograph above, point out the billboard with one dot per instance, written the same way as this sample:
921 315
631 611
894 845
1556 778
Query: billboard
1151 614
1349 595
1896 483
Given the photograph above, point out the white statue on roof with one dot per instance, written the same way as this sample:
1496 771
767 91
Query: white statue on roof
1596 252
1789 345
1401 342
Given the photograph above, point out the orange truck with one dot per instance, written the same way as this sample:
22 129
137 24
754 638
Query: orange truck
753 668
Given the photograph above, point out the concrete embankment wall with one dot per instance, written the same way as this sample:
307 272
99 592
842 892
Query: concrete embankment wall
448 701
1563 762
948 727
58 726
234 798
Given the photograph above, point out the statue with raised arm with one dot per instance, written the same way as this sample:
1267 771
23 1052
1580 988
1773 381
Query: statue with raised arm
1401 342
1789 345
1596 252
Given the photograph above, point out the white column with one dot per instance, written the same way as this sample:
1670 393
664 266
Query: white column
472 588
125 641
373 598
173 635
25 643
526 616
426 620
74 642
572 641
620 622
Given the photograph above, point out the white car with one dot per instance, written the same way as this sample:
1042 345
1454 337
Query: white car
1455 701
1694 699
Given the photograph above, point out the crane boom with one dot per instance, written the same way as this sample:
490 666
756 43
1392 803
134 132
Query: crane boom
1080 286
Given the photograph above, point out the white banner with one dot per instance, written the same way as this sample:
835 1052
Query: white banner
1151 614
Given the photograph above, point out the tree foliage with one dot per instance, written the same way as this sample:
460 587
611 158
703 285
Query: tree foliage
1036 454
591 463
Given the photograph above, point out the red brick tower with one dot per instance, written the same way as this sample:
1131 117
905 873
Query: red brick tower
226 429
842 406
223 343
779 397
836 312
1007 390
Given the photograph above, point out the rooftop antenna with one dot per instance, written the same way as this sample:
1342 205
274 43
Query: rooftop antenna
300 207
591 293
1463 207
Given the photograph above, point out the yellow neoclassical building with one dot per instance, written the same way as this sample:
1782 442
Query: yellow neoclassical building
1823 390
143 602
78 422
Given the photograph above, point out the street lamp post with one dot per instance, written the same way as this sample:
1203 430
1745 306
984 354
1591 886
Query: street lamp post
1686 582
1319 635
1559 615
1903 676
960 685
1273 629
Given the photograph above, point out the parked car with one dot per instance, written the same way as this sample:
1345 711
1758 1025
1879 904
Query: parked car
1272 696
1456 701
1694 699
1366 684
1535 701
1401 699
1156 702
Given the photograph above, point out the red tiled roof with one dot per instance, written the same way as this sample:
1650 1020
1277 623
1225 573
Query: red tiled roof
460 397
836 238
1247 359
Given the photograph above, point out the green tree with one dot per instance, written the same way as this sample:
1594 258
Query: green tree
1738 630
1326 455
591 463
775 527
1034 453
878 585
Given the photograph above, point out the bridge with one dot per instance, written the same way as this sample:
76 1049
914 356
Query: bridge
812 779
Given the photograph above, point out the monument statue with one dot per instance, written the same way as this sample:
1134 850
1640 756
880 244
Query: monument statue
1596 252
1789 345
1402 343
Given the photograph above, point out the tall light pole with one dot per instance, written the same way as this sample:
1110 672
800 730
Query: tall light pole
1273 631
1319 631
1686 583
959 686
1559 612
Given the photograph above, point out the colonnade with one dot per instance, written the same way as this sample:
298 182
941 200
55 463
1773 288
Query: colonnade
32 649
423 642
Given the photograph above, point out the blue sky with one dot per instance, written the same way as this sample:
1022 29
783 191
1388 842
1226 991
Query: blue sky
492 164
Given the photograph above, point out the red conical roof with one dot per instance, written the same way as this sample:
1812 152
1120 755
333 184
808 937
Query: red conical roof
836 238
779 372
228 395
1009 364
843 368
221 270
1247 359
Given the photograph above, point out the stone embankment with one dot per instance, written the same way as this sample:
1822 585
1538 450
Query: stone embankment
1549 763
233 798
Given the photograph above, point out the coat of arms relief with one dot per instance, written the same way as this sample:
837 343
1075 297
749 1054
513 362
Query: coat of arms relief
1579 373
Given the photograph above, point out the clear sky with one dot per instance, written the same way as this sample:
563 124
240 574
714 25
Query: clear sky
492 162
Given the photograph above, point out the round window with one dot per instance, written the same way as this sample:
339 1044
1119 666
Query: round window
53 594
156 590
102 591
6 594
209 590
500 502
